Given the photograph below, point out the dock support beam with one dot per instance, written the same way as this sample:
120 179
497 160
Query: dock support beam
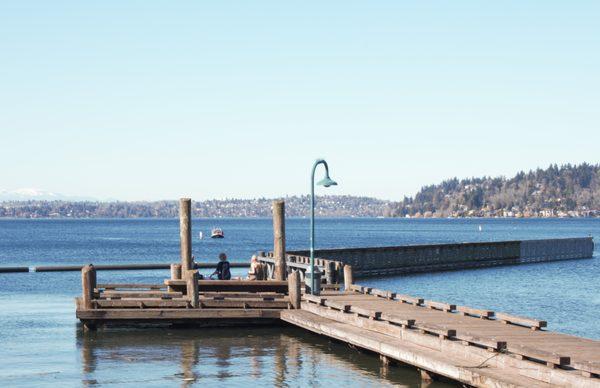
192 278
294 289
279 239
185 233
88 283
348 277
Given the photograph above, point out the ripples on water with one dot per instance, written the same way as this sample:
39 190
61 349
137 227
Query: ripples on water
41 343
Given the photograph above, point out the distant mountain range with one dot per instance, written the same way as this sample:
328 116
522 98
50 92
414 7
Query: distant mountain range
28 194
565 191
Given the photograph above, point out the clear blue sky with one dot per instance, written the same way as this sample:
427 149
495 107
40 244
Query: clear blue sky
162 99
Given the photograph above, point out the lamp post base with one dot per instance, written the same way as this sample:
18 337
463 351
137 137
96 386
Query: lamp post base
310 289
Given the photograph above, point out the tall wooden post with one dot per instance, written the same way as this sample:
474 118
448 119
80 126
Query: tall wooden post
279 239
192 278
88 283
294 289
185 234
348 277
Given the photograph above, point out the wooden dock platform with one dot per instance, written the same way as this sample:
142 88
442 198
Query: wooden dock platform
460 343
473 346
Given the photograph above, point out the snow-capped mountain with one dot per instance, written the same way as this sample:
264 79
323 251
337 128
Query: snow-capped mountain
29 194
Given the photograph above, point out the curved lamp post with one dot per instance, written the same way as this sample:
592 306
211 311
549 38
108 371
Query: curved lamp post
327 181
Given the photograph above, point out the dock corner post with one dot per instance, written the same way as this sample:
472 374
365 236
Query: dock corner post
185 233
294 289
88 284
348 277
192 278
279 239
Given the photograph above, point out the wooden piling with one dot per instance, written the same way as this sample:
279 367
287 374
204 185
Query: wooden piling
279 239
192 278
175 271
348 277
330 272
294 289
185 233
88 283
175 274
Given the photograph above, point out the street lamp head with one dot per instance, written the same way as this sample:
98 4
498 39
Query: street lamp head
327 181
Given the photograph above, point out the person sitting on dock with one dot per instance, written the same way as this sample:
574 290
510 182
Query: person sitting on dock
222 271
254 268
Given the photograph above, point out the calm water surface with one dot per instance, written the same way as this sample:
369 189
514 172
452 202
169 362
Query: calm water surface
41 343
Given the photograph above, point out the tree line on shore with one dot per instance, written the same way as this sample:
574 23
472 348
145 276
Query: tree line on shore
558 191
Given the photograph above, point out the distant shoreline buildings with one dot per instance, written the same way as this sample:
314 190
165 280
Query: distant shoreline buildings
556 192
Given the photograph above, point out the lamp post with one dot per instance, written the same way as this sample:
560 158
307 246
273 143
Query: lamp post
327 181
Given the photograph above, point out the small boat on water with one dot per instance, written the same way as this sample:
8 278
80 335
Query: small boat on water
217 233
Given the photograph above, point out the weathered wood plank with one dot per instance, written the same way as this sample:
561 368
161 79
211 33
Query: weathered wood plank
440 305
589 367
247 304
365 312
125 286
313 299
246 295
143 303
409 299
538 354
521 321
396 319
174 314
140 294
490 343
337 305
234 285
481 313
382 293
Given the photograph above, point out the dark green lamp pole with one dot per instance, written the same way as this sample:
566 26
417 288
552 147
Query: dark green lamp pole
315 288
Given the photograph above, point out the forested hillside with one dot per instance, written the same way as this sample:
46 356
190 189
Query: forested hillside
565 191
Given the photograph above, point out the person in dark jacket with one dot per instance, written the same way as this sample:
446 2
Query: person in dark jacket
222 271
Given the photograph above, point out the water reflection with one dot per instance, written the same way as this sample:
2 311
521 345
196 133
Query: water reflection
265 356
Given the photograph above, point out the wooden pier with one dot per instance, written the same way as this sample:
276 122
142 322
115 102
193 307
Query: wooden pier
476 347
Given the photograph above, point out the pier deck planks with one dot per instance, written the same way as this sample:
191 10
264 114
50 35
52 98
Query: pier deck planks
546 357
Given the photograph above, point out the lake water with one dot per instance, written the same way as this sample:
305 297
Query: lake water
42 344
